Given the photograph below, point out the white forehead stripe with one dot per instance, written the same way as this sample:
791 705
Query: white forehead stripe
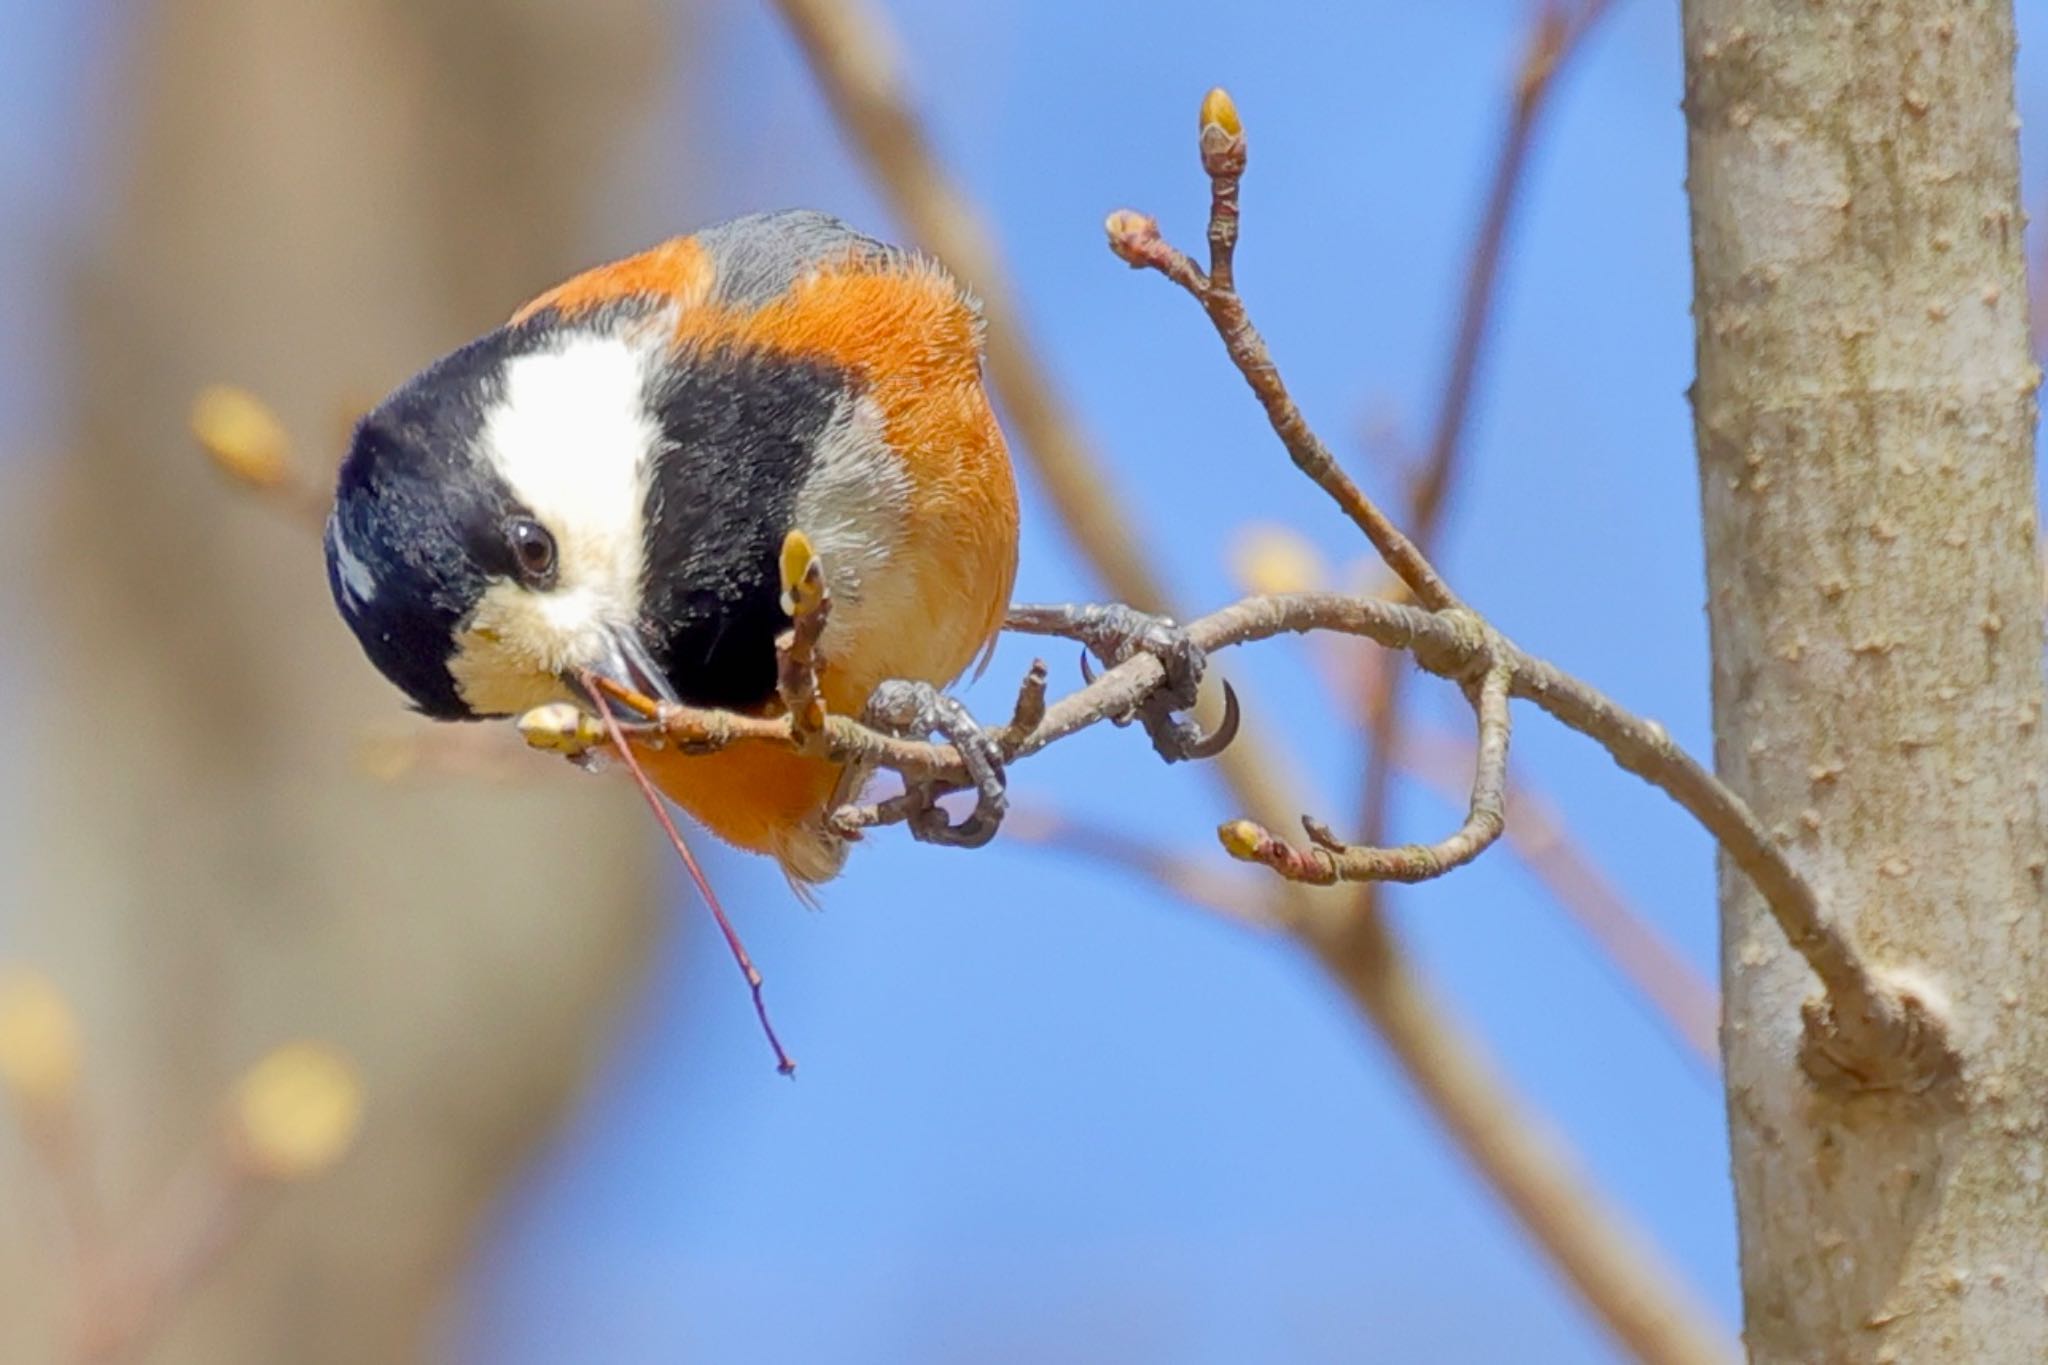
358 584
571 436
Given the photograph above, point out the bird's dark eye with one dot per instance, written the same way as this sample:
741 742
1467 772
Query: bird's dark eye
533 550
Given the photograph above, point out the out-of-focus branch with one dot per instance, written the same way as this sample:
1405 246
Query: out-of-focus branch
1275 559
291 1117
1244 900
1677 994
853 59
1554 36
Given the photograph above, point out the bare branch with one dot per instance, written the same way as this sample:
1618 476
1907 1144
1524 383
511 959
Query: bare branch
1449 644
1537 832
1135 238
1332 861
1865 1034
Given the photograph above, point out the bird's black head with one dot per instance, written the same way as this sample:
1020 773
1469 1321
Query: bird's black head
419 527
489 543
569 497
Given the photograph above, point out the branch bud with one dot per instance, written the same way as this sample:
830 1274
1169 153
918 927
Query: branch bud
1243 840
297 1111
242 436
1131 234
38 1040
1223 149
1220 111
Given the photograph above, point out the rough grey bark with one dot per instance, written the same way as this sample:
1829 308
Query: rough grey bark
1865 418
315 198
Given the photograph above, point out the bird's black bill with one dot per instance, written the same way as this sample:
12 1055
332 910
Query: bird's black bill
627 666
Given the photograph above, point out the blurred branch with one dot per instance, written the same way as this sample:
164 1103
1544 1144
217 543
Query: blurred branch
852 56
291 1117
1678 995
1274 559
1552 39
847 46
1240 900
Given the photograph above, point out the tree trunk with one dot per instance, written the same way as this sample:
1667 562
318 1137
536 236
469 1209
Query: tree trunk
1865 420
314 199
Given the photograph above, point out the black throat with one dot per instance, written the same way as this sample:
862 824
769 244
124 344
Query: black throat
740 428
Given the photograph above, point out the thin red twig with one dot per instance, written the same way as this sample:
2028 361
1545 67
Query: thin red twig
783 1062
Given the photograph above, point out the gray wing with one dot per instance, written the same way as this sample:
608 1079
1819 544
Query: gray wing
755 259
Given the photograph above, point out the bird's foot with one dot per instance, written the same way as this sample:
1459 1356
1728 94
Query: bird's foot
916 710
1114 633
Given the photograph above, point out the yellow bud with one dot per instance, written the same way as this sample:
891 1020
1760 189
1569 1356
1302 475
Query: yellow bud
1129 223
38 1039
803 575
1270 558
242 435
1241 839
296 1112
387 757
561 727
1220 111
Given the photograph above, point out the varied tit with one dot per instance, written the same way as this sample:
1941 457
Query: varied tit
605 483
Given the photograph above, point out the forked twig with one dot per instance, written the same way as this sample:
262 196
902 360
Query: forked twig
1865 1032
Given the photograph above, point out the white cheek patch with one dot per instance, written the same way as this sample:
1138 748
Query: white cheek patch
572 437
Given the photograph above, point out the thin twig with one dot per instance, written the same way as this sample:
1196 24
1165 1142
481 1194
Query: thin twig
1677 993
808 604
1865 1033
1135 238
1329 860
799 736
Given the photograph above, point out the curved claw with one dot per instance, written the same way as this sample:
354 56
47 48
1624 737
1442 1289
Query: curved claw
976 828
1216 741
918 708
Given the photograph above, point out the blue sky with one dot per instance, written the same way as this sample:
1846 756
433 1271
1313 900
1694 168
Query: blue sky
1045 1114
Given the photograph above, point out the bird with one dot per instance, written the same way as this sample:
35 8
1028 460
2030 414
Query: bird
602 486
